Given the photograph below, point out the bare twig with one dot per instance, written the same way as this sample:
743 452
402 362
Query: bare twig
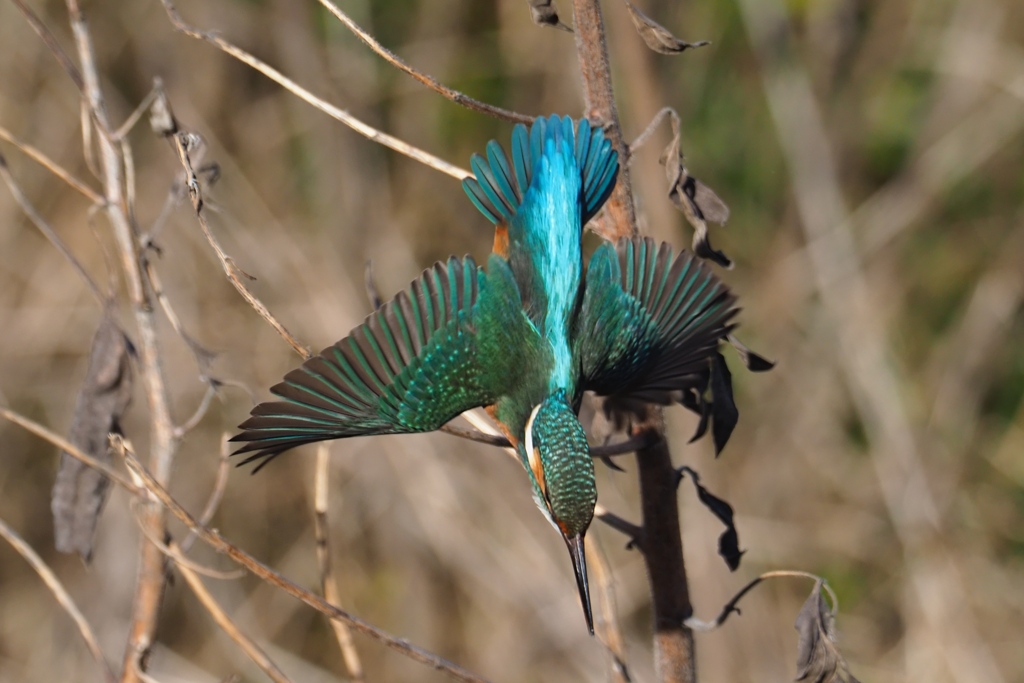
219 543
344 117
730 607
639 141
249 647
51 42
633 531
48 232
220 484
151 575
328 581
427 80
52 166
69 448
181 143
62 596
608 621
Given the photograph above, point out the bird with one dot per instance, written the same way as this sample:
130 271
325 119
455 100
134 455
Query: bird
524 337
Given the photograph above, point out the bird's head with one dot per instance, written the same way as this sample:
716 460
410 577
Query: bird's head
562 472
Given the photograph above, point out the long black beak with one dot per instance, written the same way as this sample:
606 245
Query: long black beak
579 565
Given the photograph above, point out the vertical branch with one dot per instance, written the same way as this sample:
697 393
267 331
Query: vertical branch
592 48
666 570
151 573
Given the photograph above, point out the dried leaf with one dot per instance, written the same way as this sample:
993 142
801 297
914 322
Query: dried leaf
729 541
753 361
724 414
697 201
656 36
80 491
544 14
818 660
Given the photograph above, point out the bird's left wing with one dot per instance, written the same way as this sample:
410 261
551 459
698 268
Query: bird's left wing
411 367
650 322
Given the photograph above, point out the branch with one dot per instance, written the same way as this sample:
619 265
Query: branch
291 86
328 584
53 167
219 543
730 607
151 575
427 80
62 596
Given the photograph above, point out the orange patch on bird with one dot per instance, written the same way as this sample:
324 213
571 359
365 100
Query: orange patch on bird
492 410
501 240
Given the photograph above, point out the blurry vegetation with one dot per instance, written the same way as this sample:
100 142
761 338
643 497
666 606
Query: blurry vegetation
435 538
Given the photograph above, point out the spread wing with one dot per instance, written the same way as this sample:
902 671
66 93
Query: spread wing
650 322
411 367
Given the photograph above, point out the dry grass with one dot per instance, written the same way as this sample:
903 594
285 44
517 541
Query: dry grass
872 156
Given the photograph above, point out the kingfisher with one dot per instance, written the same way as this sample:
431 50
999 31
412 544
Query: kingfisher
524 337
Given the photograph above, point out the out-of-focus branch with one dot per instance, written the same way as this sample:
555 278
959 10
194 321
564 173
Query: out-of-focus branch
52 166
230 628
730 607
291 86
219 543
426 79
62 596
328 580
151 575
48 232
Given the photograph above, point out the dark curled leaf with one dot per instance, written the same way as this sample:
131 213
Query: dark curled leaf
729 541
656 36
753 361
724 414
697 201
544 14
80 491
818 660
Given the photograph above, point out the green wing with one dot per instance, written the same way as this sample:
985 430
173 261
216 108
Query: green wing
650 323
412 366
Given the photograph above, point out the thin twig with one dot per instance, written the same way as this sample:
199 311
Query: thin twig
219 543
52 166
62 596
51 42
249 646
633 531
69 448
427 80
639 140
151 575
608 621
48 232
201 410
220 485
344 117
328 581
730 607
181 559
233 272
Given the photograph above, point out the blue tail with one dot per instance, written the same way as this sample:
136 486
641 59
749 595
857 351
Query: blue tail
499 188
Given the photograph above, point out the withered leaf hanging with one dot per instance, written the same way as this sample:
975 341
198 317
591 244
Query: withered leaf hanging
818 660
729 541
697 201
545 14
724 414
80 491
656 36
753 361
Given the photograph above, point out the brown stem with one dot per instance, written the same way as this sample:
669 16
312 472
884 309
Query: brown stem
151 574
666 571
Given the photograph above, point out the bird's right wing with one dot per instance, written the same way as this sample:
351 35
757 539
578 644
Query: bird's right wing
412 366
650 323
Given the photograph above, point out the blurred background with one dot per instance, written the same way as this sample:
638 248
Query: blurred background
871 153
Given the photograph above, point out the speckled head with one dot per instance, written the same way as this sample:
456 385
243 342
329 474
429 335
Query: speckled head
559 459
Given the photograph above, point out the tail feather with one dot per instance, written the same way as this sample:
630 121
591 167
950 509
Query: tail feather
500 186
